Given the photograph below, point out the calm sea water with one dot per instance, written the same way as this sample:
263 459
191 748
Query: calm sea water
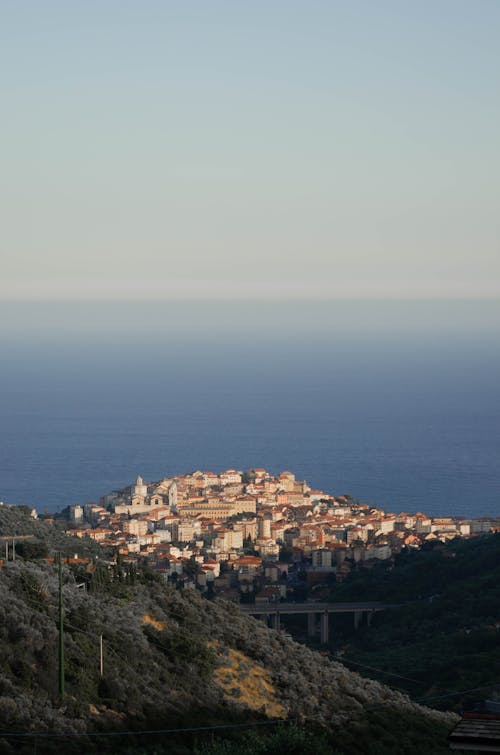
404 417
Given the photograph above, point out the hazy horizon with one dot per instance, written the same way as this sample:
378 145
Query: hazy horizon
351 313
394 402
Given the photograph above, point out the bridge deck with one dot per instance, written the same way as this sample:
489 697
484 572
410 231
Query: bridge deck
294 608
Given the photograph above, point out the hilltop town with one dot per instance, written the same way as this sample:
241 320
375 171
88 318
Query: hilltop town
132 634
251 536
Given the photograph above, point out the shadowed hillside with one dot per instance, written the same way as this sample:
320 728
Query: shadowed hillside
171 660
444 639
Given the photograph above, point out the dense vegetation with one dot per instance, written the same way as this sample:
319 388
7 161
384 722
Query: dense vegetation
173 659
46 537
445 636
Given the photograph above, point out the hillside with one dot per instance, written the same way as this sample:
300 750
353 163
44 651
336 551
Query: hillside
445 636
46 537
172 659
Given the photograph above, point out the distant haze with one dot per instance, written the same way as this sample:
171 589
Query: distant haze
397 403
271 150
135 323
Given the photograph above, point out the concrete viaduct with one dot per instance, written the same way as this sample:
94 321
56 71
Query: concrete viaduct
273 611
12 539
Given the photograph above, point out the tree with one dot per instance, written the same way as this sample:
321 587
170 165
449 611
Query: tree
286 554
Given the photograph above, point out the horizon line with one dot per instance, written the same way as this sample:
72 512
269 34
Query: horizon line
246 299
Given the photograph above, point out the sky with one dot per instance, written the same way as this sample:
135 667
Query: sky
275 149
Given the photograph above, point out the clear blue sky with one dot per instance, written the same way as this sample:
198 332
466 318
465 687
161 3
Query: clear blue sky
254 149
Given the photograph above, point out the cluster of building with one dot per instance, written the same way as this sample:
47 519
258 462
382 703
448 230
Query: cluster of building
251 535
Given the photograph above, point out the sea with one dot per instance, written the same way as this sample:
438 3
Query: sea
395 403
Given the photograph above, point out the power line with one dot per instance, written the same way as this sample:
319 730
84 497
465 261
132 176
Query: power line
160 645
189 729
419 700
150 640
109 647
394 674
379 670
461 692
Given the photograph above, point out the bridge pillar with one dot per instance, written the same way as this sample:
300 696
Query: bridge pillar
358 616
324 633
369 617
275 620
311 624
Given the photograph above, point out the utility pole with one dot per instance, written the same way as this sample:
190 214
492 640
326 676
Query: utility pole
61 632
13 549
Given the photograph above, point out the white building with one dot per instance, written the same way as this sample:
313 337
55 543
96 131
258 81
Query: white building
321 557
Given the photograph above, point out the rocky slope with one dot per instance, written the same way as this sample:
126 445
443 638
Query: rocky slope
171 658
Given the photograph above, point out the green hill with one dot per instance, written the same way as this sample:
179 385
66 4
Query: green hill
45 537
445 637
173 660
